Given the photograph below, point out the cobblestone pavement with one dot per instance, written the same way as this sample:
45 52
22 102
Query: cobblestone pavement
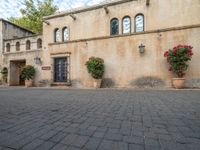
47 119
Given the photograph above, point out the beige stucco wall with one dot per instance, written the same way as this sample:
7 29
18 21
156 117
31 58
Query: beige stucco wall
124 64
26 55
9 31
1 45
158 15
167 24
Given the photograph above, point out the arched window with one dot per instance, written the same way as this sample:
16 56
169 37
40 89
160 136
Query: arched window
28 45
65 34
8 47
17 46
139 23
126 25
39 43
56 35
114 26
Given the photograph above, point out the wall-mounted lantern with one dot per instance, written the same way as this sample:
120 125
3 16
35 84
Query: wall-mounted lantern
147 2
142 48
73 16
37 60
46 22
106 9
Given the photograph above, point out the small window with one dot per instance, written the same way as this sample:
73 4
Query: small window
28 45
56 35
39 43
8 47
65 34
17 46
139 23
114 27
126 25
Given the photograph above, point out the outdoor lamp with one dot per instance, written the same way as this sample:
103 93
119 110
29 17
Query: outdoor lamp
141 48
37 60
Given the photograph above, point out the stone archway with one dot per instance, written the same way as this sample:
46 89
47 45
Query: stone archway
15 71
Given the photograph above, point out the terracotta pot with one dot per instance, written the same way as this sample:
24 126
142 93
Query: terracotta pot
178 83
28 83
97 83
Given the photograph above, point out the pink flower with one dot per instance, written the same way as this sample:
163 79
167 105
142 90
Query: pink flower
190 52
175 51
166 54
190 47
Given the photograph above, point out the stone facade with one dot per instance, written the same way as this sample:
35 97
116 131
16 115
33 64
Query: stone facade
9 30
166 24
13 59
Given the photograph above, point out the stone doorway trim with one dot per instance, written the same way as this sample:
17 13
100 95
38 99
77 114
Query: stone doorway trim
15 71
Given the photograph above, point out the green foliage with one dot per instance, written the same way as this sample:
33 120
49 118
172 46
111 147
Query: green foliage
95 67
33 13
4 73
28 72
178 59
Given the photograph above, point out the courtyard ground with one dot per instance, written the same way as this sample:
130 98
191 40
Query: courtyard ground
49 119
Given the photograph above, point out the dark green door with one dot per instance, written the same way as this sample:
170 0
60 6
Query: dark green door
60 70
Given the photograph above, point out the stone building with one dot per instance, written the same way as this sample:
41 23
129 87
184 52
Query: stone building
9 31
114 31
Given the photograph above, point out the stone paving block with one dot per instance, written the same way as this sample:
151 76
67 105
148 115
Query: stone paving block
45 146
113 136
58 137
99 134
79 141
73 148
92 144
85 132
60 147
100 119
152 142
136 147
134 139
68 139
31 146
113 145
48 135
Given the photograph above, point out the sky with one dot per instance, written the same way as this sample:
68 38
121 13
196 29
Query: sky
10 8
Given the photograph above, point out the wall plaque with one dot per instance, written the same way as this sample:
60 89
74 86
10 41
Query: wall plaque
46 67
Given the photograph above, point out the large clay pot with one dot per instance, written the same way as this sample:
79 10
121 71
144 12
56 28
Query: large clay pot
97 83
28 83
178 83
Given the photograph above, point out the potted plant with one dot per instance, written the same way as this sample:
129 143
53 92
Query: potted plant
95 67
27 74
178 59
4 73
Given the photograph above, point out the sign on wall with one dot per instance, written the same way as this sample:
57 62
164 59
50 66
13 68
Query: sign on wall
46 67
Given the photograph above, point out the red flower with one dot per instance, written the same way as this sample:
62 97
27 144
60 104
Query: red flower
166 54
190 52
190 47
180 46
168 59
186 47
175 51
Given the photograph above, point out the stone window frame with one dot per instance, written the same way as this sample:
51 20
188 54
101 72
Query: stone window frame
8 47
127 16
39 43
111 28
63 30
28 45
56 31
17 45
139 14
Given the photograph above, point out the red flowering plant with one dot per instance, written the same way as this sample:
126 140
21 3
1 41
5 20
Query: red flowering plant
178 58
